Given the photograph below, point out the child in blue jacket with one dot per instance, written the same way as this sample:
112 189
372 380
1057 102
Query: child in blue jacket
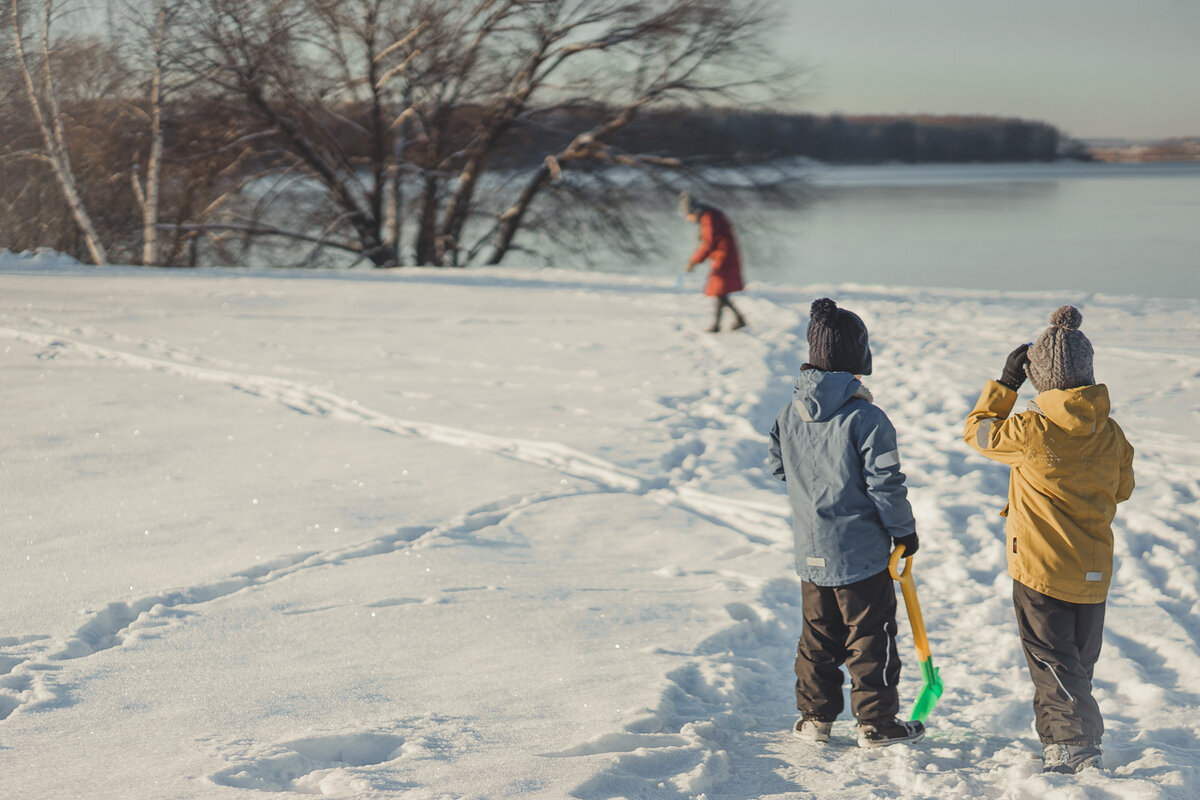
837 453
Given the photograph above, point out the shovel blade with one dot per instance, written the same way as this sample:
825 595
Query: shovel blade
931 690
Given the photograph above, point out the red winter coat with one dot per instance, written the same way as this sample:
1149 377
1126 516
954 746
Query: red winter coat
718 243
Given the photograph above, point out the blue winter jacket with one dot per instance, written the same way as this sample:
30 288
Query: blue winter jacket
837 453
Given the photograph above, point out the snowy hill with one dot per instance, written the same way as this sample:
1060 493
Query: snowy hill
503 533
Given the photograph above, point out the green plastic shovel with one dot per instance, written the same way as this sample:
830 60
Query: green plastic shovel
931 689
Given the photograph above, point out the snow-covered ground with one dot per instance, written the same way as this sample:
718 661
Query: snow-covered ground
508 534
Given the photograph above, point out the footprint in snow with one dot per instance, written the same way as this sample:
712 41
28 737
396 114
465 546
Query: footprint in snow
346 763
315 765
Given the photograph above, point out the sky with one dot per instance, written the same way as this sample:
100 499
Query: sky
1100 68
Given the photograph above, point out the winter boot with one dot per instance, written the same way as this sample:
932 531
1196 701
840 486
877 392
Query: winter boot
1069 758
883 733
812 730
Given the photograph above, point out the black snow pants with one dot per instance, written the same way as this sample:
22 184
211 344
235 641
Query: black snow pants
853 625
1062 643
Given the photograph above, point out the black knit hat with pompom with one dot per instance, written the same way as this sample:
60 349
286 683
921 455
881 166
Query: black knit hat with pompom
837 339
1061 358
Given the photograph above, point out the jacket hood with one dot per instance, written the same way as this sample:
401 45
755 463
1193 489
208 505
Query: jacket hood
1079 412
818 395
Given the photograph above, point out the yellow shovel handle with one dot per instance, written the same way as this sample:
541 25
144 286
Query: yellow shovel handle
908 588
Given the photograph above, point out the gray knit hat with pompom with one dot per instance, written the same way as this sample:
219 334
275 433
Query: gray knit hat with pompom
1061 358
837 339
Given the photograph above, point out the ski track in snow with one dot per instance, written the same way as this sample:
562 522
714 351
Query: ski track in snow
752 519
721 727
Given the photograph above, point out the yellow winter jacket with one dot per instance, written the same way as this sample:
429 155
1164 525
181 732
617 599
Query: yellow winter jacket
1071 465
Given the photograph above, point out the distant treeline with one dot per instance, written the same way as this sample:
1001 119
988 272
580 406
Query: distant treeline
733 135
1177 149
205 169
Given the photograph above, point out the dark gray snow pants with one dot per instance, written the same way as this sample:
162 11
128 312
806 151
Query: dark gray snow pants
1062 644
853 625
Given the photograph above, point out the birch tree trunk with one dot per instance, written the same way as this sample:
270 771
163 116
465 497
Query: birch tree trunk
150 246
50 126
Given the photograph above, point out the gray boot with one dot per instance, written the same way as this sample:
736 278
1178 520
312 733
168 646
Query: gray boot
1070 758
812 730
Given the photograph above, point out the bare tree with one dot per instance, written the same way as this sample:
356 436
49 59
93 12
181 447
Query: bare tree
547 56
148 157
303 70
37 76
147 192
154 45
365 97
681 55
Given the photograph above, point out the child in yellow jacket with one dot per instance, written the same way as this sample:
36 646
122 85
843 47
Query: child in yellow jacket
1071 465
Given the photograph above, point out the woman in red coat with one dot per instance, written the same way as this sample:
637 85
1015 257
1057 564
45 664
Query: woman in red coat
717 243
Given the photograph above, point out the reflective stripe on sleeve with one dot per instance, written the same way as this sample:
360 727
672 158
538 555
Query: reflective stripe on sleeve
984 433
889 459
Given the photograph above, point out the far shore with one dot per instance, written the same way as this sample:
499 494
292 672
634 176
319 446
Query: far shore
1176 149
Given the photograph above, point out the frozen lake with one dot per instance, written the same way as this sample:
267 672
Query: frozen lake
1107 228
1113 229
